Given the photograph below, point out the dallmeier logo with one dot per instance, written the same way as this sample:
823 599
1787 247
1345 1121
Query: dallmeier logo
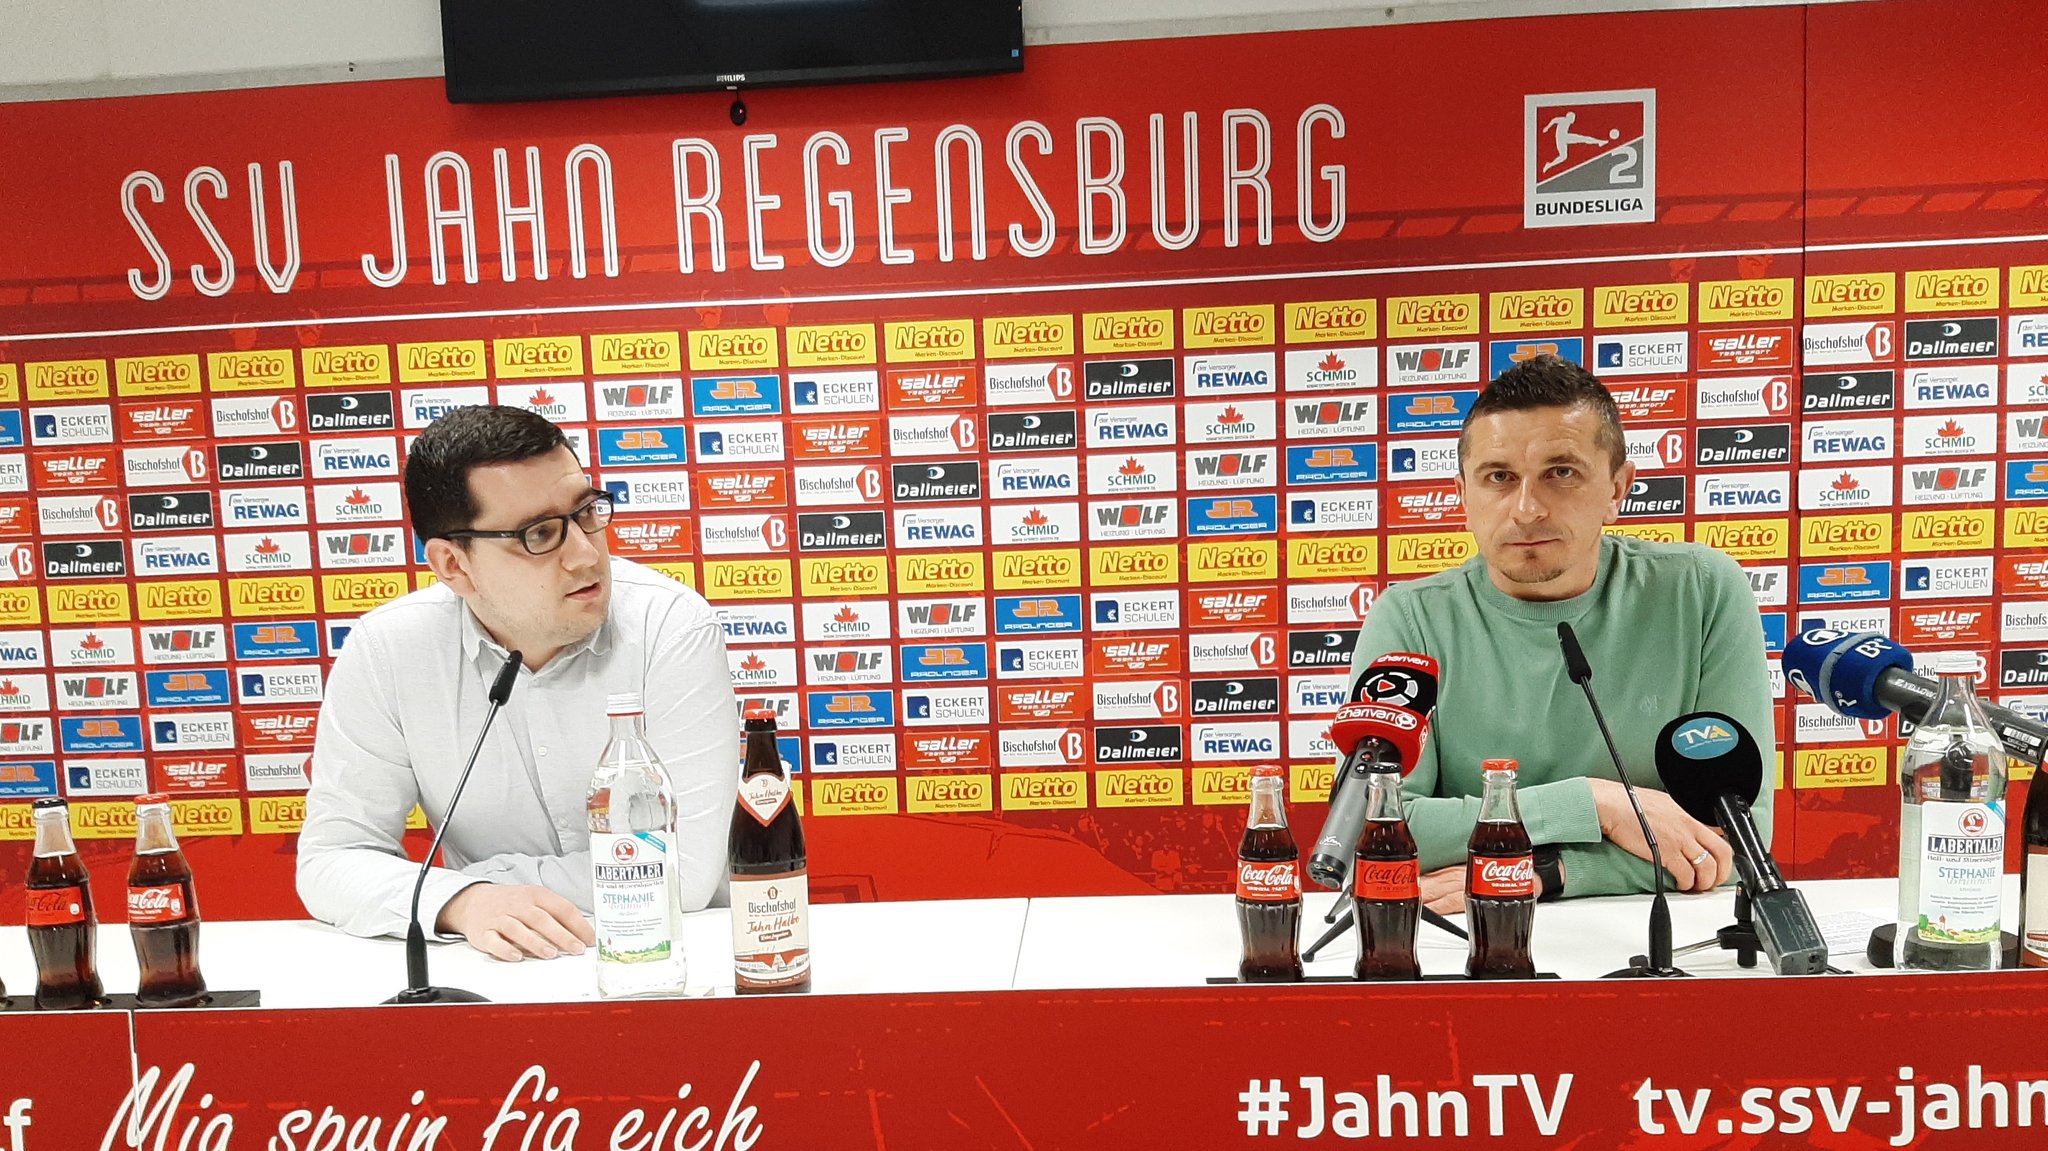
1129 379
1032 431
928 483
350 412
1154 744
845 531
282 460
1740 446
85 559
1965 339
2023 668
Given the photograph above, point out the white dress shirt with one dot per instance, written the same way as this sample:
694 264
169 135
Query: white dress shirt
402 709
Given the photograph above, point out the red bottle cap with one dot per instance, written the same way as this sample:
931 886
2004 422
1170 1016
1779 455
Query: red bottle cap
756 711
1499 765
1268 771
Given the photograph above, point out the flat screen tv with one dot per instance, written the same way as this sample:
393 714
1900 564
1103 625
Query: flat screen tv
547 49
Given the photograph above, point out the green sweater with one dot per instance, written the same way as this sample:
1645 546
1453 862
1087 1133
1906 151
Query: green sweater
1668 628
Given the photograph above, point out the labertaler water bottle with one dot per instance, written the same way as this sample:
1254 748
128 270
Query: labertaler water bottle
634 862
1951 831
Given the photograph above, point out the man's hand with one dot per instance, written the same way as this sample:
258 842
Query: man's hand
1443 890
1697 856
510 923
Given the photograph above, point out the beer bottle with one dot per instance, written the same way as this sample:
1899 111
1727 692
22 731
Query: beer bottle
2033 927
771 892
62 929
163 911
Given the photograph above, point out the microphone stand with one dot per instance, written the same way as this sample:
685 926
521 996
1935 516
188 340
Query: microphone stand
1344 903
417 988
1657 964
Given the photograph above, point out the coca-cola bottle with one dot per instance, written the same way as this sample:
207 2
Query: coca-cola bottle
62 929
2033 927
1268 886
1386 885
163 911
1500 882
771 888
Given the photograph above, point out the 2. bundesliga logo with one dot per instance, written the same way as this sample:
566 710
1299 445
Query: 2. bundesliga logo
1589 158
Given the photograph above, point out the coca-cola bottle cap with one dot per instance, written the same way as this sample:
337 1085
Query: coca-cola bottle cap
1499 765
1268 771
622 703
756 711
153 799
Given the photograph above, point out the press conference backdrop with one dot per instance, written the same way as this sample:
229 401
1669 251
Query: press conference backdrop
1041 446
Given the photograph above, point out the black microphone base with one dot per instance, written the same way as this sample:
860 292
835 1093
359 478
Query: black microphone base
1639 968
413 995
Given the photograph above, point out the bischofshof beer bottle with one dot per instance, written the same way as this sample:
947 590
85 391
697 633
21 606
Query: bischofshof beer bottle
771 893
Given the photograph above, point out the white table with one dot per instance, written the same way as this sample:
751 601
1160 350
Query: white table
949 945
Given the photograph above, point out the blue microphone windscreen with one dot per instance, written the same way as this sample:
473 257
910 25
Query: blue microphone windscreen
1805 654
1849 676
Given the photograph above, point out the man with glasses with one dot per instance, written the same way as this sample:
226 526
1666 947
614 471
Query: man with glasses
516 537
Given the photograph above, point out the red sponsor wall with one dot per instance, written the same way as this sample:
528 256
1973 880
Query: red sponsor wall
1043 438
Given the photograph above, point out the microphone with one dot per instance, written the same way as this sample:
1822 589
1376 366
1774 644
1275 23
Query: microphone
1711 767
1657 964
1383 727
1867 676
417 989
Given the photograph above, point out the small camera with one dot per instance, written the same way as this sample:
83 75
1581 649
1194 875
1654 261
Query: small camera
738 112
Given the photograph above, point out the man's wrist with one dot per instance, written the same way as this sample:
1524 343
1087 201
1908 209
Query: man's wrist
1549 873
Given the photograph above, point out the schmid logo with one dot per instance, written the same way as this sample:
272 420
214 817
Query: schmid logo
1536 311
831 345
1856 294
1332 321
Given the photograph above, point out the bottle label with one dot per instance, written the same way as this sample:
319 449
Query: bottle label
1502 877
1962 865
771 929
1386 879
55 906
2034 916
630 894
1268 881
156 904
764 796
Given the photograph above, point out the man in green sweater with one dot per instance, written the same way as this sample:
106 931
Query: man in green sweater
1668 628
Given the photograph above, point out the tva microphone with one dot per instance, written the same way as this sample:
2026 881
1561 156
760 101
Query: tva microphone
1867 675
1712 767
1383 727
1656 963
417 989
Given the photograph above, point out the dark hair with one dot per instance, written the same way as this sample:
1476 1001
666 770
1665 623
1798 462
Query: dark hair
437 494
1546 381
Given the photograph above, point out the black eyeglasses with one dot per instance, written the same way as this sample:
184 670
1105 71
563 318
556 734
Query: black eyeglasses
543 536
